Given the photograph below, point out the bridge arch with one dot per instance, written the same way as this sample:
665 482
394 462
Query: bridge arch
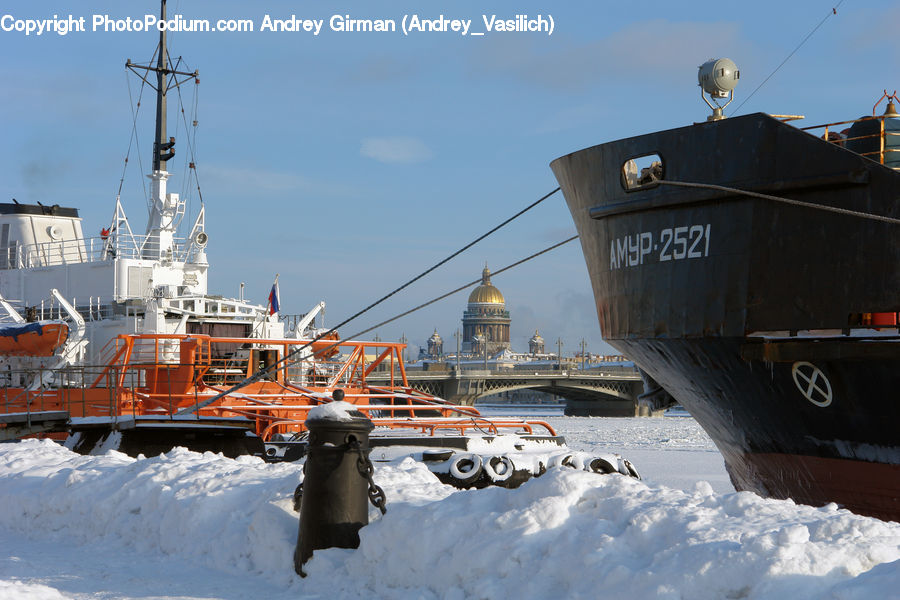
612 393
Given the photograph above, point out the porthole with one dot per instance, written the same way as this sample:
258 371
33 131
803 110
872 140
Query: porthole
642 170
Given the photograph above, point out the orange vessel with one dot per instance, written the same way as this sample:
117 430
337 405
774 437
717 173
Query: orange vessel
170 380
244 395
33 339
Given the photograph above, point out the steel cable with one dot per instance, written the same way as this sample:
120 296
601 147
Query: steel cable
813 205
264 372
463 287
794 51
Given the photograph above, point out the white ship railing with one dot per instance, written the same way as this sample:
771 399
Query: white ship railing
89 250
92 308
206 306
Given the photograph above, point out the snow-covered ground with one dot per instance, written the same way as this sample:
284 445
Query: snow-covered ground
187 525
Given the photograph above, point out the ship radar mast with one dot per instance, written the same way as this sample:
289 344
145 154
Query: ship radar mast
165 208
718 77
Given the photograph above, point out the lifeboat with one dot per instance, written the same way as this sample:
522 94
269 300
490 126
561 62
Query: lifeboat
40 338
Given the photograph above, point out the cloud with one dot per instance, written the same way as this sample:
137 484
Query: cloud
395 150
660 50
253 181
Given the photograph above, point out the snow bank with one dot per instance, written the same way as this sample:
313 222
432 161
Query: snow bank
570 534
223 513
567 534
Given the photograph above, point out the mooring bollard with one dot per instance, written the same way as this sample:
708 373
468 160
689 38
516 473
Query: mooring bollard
337 480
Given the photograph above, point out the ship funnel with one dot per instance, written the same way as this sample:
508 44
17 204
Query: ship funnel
718 77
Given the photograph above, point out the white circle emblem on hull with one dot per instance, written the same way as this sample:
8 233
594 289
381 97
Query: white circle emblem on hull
812 383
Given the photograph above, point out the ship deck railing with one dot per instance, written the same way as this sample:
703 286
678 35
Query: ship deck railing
99 308
74 389
121 395
92 308
229 360
92 250
887 141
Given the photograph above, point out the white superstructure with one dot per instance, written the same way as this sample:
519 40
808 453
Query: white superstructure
121 282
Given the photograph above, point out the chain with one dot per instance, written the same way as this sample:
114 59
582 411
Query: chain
298 496
366 469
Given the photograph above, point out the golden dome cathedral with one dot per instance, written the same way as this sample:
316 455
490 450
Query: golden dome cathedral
486 293
486 320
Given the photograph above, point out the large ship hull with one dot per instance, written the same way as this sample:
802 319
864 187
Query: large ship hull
755 314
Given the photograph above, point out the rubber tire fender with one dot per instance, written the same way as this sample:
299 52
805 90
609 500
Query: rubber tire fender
466 468
573 461
600 466
631 471
499 469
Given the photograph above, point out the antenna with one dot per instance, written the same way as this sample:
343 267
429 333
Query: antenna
166 209
718 77
167 77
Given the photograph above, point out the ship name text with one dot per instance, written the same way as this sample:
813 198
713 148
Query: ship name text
670 244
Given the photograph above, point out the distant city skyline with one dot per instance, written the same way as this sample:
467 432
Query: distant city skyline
350 161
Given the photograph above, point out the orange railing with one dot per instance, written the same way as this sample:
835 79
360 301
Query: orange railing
162 374
886 143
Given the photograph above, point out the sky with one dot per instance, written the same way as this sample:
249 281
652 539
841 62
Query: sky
349 162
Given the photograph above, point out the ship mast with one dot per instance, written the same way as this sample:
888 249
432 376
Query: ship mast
161 144
165 208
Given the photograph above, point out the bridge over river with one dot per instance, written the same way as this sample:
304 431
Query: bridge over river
605 391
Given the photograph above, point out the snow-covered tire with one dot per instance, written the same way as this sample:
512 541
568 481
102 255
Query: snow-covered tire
466 468
573 461
631 471
557 460
601 466
498 469
576 462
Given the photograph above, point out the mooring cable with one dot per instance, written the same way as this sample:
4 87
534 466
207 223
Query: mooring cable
277 364
444 261
813 205
461 288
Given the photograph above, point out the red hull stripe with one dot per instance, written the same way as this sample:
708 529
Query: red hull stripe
866 488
